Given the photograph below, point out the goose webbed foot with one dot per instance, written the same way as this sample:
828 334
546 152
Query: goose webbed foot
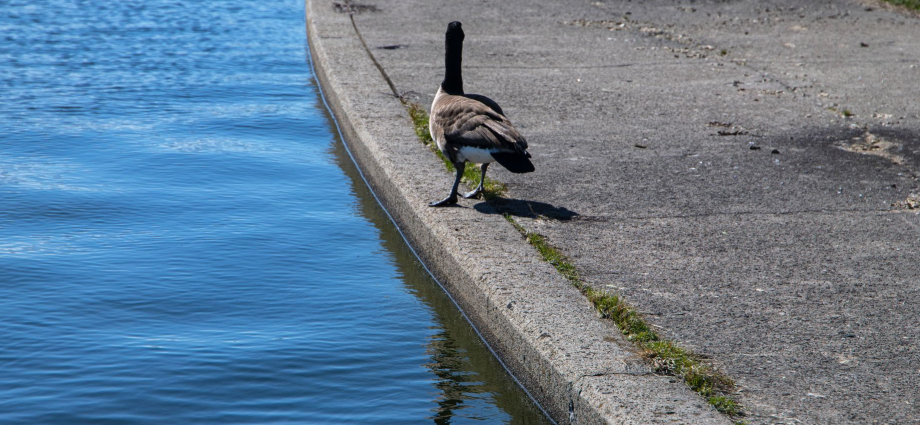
450 200
472 193
482 179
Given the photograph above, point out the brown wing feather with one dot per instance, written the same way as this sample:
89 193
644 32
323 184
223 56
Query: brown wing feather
469 122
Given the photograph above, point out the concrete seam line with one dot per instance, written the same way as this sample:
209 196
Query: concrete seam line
383 72
538 324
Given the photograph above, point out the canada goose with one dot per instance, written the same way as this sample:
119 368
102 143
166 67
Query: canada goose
471 127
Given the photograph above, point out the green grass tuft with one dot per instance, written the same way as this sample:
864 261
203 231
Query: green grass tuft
491 189
420 122
910 4
725 405
610 306
846 113
553 256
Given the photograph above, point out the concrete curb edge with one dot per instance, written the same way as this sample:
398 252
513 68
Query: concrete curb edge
546 333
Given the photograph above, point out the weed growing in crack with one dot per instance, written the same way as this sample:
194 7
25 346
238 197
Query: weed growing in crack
725 405
846 113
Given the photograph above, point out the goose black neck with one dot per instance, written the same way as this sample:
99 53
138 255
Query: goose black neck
453 81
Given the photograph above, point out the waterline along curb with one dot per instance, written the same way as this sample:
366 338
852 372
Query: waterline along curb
575 365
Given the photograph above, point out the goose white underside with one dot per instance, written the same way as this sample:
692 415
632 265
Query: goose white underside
475 155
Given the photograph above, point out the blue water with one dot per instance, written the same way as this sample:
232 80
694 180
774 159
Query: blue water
183 239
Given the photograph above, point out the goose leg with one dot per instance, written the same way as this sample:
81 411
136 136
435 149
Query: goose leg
452 198
482 180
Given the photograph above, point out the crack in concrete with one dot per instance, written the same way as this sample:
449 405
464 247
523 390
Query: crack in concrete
383 73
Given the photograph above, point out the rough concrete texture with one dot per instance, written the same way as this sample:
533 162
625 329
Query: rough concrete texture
575 364
738 170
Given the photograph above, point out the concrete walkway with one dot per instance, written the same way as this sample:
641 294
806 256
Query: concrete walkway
742 172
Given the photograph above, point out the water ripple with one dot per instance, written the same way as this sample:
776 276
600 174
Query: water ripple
183 240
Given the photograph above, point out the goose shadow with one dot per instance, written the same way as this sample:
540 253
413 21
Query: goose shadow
524 208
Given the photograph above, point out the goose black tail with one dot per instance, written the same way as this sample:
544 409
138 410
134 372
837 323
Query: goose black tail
514 162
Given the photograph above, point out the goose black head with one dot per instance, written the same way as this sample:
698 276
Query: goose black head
454 32
453 56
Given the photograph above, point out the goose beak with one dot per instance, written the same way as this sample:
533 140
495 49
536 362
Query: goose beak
454 29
